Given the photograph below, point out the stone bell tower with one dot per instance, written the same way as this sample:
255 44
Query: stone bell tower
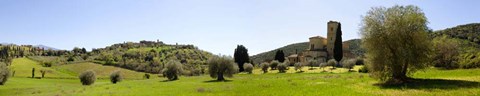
331 34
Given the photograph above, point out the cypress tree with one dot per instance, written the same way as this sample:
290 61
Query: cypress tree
337 48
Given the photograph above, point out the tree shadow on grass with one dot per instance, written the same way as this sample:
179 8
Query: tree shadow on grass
426 84
167 80
213 81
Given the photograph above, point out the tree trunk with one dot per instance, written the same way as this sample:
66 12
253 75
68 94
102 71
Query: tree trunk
220 77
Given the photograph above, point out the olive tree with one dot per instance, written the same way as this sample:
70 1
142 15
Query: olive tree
349 64
332 63
88 77
172 70
264 67
322 66
115 77
4 73
298 66
282 67
274 64
218 67
248 68
312 63
396 42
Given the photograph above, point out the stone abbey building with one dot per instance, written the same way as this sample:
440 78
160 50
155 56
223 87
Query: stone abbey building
320 48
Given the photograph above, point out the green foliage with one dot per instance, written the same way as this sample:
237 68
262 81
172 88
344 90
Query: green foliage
355 47
469 60
43 72
274 64
282 67
359 61
298 66
172 70
279 56
70 59
4 73
218 67
248 68
363 69
323 65
115 77
264 67
468 32
151 56
88 77
331 62
338 48
349 64
47 64
447 52
396 42
312 63
241 56
146 76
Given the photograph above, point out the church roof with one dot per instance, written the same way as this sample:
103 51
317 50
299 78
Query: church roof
320 37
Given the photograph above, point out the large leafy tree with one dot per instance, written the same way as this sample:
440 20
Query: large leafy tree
396 42
220 66
241 56
446 51
280 56
337 48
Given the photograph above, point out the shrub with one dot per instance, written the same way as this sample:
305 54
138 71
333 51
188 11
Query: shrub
70 59
349 64
446 52
172 70
364 69
248 68
331 62
298 66
33 72
264 67
4 73
359 61
218 67
47 64
311 63
43 72
323 65
274 64
282 67
146 76
87 77
115 77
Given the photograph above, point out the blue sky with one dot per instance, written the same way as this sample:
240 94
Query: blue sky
216 26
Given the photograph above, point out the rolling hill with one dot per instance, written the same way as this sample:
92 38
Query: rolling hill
468 32
23 69
288 50
300 47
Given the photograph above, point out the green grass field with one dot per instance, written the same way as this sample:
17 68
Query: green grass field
432 82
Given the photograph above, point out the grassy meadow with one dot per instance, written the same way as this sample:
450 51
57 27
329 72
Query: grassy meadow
339 82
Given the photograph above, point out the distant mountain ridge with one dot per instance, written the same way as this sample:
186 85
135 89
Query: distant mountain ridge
38 46
46 47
